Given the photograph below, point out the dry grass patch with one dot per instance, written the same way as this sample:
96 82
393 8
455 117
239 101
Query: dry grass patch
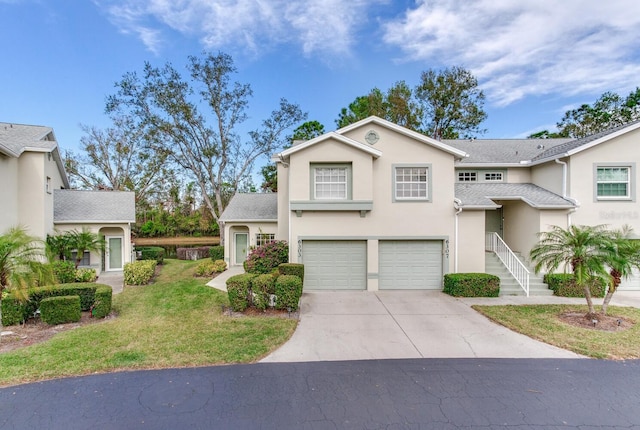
547 324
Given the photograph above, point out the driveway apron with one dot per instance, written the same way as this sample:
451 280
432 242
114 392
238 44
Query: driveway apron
341 325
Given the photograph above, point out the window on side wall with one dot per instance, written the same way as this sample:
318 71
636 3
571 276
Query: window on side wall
412 183
614 182
467 176
331 182
264 238
86 258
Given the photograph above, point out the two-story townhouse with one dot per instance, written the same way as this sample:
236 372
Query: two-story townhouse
35 194
375 206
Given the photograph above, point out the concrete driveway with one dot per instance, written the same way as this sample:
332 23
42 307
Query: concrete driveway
342 325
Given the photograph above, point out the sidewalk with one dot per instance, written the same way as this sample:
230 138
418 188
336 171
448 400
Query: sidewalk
220 281
114 279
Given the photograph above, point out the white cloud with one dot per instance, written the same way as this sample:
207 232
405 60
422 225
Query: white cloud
327 27
520 48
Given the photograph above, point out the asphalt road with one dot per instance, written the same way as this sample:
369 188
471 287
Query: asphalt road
374 394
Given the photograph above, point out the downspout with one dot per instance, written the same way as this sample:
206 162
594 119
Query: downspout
457 205
564 190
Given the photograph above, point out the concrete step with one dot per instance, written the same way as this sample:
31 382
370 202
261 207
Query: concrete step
508 285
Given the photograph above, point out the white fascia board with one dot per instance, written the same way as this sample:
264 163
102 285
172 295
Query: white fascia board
327 136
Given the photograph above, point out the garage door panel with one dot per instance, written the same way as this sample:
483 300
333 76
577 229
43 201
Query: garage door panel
405 264
632 283
334 265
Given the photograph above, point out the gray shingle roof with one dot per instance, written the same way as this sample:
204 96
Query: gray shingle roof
502 151
483 195
16 138
252 207
93 206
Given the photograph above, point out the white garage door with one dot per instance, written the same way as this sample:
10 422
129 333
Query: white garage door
410 264
334 264
632 283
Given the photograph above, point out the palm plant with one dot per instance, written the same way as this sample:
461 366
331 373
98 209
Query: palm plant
623 256
22 264
84 240
584 249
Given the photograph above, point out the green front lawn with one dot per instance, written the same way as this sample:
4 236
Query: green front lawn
174 322
541 322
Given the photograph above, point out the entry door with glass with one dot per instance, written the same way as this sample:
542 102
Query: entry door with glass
114 253
242 247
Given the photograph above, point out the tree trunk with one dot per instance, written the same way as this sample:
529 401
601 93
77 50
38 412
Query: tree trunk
587 295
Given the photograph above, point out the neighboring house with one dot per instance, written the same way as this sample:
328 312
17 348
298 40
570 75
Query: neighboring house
376 206
34 194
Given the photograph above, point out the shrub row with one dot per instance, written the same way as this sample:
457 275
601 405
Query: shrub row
139 272
66 272
471 285
195 253
94 297
209 267
151 253
564 285
252 289
216 252
61 309
267 257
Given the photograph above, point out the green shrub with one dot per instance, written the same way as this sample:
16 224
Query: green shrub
60 310
64 271
262 286
139 272
216 252
563 285
292 269
238 289
151 253
14 311
267 257
288 290
86 275
219 266
471 285
208 267
102 305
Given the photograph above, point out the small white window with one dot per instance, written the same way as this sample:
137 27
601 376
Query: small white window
330 183
467 176
493 177
411 183
264 238
613 182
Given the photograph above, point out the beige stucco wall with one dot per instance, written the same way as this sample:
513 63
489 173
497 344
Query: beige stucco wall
471 237
283 202
245 227
518 175
50 170
32 194
620 150
523 222
548 176
373 180
8 192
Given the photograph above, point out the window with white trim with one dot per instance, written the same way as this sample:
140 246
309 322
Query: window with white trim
493 177
86 258
411 183
264 238
331 183
467 176
613 182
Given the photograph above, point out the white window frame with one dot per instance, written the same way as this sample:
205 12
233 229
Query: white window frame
427 182
86 258
630 181
499 176
466 176
264 238
346 168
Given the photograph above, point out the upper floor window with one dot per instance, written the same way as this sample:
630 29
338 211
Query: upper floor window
412 182
493 177
467 176
480 176
613 182
264 238
331 182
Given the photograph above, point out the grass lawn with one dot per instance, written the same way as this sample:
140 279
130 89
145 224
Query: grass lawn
541 322
174 322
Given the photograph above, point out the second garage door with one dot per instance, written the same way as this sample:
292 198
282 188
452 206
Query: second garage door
334 264
410 264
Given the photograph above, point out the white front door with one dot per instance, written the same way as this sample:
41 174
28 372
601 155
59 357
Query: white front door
242 247
115 251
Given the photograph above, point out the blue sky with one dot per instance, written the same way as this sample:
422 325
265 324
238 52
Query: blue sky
533 58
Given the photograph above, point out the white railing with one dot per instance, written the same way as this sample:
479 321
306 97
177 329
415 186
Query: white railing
494 243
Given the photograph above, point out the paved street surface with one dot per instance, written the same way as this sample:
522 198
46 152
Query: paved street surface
392 394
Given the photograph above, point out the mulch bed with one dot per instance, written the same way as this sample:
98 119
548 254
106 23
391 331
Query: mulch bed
605 322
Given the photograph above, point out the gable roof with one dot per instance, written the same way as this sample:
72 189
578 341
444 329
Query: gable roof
482 196
404 131
328 136
502 152
18 138
252 207
78 206
578 145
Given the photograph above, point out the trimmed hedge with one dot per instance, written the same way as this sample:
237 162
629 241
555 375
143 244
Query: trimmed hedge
60 309
195 253
151 253
563 285
64 271
102 305
209 267
139 272
292 269
238 289
216 252
86 275
262 286
267 257
288 290
471 285
15 311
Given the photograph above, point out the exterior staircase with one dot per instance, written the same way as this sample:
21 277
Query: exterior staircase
508 285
